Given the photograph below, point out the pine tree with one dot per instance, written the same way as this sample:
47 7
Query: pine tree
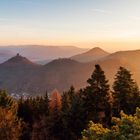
33 111
126 93
39 127
97 97
39 131
73 115
67 98
46 104
25 113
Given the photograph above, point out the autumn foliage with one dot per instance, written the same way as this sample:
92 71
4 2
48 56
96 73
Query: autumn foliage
96 112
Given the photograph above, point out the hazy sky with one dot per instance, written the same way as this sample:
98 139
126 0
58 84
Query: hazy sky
110 24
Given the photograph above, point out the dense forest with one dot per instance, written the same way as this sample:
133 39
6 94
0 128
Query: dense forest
97 112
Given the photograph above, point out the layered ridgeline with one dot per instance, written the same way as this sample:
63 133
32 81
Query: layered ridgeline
93 54
5 54
20 75
39 53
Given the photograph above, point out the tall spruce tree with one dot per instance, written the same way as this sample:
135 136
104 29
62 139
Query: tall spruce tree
97 97
33 111
73 115
126 93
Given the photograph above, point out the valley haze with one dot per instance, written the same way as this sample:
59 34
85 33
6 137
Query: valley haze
69 69
61 73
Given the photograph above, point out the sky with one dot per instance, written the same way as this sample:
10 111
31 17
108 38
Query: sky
110 24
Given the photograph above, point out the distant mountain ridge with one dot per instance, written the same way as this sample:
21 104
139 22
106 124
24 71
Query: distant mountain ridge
5 54
39 53
91 55
20 75
18 60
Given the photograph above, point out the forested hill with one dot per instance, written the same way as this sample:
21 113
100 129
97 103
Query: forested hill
20 75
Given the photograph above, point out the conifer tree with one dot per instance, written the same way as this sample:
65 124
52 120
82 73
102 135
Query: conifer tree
126 93
33 111
54 121
46 104
73 115
55 100
97 97
67 98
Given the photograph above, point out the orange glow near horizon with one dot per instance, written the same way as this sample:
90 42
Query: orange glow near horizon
113 25
110 46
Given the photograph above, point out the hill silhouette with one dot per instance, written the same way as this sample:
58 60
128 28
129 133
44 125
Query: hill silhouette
39 53
93 54
18 60
20 75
